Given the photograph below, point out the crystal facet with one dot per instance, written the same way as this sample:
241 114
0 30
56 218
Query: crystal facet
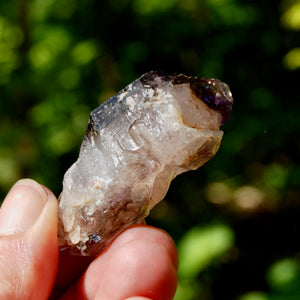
159 126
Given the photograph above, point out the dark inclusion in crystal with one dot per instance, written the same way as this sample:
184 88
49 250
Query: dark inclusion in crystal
156 128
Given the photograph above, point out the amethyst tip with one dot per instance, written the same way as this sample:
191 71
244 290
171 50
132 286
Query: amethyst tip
217 95
213 92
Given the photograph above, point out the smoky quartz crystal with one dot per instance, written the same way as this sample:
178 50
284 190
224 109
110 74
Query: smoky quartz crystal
159 126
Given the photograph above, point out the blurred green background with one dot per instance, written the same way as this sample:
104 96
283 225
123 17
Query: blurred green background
236 220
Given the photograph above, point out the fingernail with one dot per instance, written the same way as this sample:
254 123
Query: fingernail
22 206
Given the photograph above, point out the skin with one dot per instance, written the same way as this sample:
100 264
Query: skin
141 263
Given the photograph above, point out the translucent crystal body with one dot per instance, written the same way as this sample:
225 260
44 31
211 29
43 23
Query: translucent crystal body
136 143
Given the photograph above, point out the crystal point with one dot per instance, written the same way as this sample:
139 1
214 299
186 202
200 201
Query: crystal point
159 126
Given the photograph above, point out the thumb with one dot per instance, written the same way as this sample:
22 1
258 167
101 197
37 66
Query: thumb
28 242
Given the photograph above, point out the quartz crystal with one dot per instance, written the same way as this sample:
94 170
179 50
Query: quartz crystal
159 126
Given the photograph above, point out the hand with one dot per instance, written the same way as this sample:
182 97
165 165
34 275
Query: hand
140 263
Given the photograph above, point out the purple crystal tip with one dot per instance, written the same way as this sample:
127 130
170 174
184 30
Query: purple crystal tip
213 92
216 94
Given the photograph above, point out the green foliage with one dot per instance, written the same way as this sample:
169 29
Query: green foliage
283 278
200 246
11 37
284 275
59 59
291 14
292 59
254 296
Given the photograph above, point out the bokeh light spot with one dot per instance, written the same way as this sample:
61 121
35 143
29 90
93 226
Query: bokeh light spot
84 52
254 296
200 246
292 59
276 175
9 170
284 275
219 193
248 197
152 6
291 17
